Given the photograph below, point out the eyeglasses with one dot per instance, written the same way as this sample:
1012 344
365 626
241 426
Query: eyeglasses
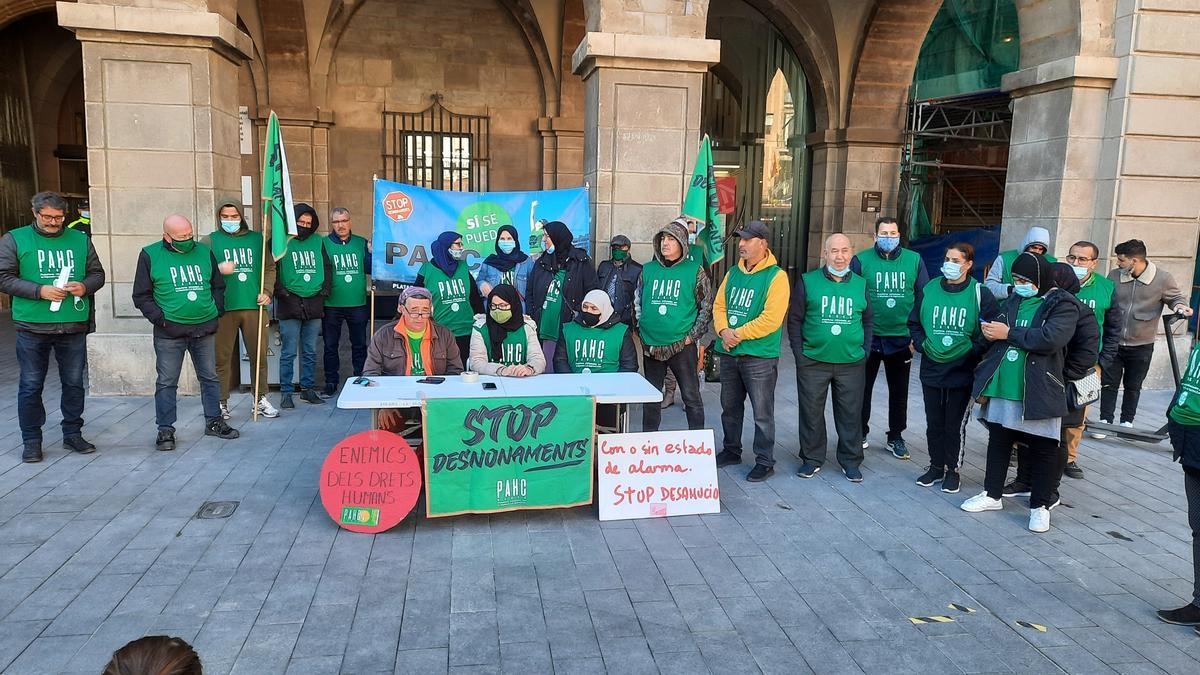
1079 259
52 219
417 315
496 305
341 222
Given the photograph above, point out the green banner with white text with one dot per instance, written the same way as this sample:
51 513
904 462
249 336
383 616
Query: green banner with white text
504 454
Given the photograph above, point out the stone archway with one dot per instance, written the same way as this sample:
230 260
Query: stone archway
19 9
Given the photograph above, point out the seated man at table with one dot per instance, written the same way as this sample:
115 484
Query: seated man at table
504 341
411 345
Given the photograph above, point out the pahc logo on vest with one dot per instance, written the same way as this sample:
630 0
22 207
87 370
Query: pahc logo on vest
346 264
836 312
305 263
189 278
948 321
512 353
51 263
242 259
738 305
890 285
664 293
588 353
454 291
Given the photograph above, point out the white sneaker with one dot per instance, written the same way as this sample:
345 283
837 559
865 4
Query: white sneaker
266 409
1039 519
1127 425
866 444
225 410
982 502
1100 435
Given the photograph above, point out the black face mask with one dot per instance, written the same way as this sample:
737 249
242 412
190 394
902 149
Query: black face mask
589 320
303 233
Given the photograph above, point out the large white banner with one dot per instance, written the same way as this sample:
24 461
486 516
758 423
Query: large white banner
653 475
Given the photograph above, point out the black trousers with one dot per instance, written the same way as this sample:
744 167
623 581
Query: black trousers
944 413
1184 438
1073 419
896 368
1130 367
685 366
815 381
1043 462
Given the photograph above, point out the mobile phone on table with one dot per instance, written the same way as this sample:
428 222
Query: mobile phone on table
489 385
432 380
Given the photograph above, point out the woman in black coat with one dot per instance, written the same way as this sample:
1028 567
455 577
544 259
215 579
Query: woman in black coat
560 278
1022 379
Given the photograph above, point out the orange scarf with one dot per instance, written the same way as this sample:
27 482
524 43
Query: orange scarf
426 347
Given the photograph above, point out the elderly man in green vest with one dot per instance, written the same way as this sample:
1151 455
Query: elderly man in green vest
829 327
51 273
179 288
350 255
748 312
895 278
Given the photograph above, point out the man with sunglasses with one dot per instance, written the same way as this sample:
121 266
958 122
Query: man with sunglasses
51 272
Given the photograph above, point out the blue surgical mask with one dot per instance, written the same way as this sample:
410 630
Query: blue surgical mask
550 248
231 226
1080 272
506 245
887 244
691 238
86 215
951 270
1025 290
838 273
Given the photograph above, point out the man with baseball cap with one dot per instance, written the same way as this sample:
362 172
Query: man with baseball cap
748 312
619 277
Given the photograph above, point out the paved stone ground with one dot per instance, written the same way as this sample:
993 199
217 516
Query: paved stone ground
793 576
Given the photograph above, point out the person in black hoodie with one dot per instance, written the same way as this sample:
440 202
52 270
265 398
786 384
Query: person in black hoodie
1022 377
945 328
560 278
304 278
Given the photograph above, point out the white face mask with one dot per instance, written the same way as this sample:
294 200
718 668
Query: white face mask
456 253
951 270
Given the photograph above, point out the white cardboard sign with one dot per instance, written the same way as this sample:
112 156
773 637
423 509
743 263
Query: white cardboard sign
652 475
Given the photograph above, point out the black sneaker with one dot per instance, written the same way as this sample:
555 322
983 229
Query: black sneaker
328 391
951 482
32 453
808 470
728 458
1073 471
853 474
898 449
310 396
286 402
79 444
1016 489
1055 500
760 473
930 477
1188 615
219 428
165 440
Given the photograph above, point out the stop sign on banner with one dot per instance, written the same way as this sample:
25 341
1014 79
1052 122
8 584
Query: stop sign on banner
397 205
370 481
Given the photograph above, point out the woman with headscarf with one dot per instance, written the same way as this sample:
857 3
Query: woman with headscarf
560 278
597 341
504 341
1022 379
508 265
456 298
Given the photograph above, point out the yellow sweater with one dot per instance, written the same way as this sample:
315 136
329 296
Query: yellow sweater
773 313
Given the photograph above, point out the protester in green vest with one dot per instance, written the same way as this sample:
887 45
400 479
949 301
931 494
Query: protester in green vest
748 312
673 307
303 280
999 275
51 273
596 341
1183 425
1099 293
1022 377
350 255
945 327
829 327
247 270
456 298
895 279
180 290
504 341
560 277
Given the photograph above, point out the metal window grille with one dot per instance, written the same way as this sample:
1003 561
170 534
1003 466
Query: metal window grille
436 148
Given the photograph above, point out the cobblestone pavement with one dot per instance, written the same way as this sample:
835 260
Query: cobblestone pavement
793 576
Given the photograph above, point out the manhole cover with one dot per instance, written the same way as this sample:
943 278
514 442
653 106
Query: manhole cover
216 510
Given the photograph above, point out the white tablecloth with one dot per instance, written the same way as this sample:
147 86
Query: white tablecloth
406 392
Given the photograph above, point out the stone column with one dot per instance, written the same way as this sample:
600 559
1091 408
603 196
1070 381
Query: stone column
161 97
641 129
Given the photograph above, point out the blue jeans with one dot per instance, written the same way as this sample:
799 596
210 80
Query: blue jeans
743 376
168 354
304 332
33 356
356 318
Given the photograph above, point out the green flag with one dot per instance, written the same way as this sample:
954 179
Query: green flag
279 218
700 203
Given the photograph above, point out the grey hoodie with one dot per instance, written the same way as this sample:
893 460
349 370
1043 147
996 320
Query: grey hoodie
995 277
704 292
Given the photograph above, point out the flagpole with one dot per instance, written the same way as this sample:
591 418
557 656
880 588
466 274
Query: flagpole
258 343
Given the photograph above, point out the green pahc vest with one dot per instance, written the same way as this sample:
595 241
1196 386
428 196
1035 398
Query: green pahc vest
41 259
349 287
512 347
244 251
950 320
1097 293
1009 256
699 253
891 285
301 269
451 297
1008 382
551 317
745 300
183 283
668 301
833 317
414 348
593 350
1185 409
